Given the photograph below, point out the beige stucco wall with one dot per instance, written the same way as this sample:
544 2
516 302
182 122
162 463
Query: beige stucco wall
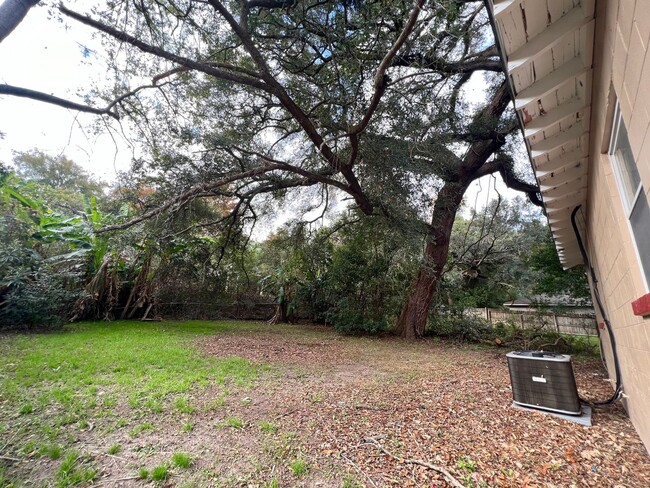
621 68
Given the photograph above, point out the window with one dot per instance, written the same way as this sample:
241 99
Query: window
634 199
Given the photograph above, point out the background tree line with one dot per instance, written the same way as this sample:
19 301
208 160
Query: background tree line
352 272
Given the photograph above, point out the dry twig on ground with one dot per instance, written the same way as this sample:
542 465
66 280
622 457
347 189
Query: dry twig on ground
439 469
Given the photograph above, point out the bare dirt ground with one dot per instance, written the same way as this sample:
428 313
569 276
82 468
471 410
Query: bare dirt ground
433 402
329 409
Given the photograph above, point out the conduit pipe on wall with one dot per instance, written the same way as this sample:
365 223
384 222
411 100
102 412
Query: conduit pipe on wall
608 326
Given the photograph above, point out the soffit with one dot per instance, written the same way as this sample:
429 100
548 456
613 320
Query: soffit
547 46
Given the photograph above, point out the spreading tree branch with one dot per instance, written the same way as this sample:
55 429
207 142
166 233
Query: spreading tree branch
504 168
270 3
189 195
381 80
17 91
12 13
294 109
482 63
156 51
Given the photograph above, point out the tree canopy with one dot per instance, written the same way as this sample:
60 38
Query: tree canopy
248 104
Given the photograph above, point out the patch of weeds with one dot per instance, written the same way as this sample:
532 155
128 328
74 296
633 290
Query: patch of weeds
143 473
283 448
268 427
181 460
316 398
216 403
28 448
53 451
233 422
160 473
350 482
26 409
271 484
467 481
5 481
68 418
146 450
188 427
114 449
139 429
466 464
109 401
66 378
182 405
298 466
153 406
74 470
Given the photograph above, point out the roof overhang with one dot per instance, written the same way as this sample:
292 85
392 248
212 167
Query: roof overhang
547 48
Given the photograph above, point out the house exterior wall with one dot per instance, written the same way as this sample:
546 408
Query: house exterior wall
621 71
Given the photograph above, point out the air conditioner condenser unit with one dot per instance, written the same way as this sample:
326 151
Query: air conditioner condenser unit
544 380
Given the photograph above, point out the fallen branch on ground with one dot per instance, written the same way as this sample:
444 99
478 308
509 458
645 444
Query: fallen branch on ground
359 470
439 469
8 458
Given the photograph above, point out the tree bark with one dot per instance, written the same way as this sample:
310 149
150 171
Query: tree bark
280 315
12 12
413 319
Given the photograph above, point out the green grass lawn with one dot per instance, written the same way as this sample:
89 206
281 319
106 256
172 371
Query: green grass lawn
54 386
175 404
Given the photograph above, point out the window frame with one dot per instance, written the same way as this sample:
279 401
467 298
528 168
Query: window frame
628 208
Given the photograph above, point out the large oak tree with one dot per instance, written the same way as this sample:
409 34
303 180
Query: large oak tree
252 99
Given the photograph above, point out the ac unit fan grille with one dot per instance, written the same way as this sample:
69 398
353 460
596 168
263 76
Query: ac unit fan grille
544 380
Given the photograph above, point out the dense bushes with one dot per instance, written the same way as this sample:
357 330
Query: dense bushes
469 328
353 273
459 326
535 339
43 299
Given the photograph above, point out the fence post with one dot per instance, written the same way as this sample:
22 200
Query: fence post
557 325
522 321
487 313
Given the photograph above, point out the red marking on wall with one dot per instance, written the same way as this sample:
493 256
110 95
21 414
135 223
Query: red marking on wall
602 325
641 306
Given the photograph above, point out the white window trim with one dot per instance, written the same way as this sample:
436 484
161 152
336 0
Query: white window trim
618 119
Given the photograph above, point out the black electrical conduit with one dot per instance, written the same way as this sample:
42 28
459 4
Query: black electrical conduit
594 282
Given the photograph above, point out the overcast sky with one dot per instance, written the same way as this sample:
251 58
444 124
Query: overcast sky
47 55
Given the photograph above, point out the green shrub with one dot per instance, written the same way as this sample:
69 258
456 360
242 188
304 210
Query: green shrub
34 293
348 321
530 339
461 327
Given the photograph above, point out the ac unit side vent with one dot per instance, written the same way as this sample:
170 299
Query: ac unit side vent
544 380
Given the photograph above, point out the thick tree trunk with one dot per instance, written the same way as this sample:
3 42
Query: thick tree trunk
413 319
12 12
